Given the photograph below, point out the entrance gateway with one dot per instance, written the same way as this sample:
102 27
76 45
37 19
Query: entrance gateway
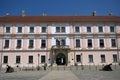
60 59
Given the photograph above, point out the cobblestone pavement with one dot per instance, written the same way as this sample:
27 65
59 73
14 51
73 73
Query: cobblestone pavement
63 73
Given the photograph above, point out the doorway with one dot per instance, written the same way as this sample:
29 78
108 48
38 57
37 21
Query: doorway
60 59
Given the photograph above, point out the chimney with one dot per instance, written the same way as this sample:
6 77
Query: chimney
23 13
44 14
110 14
94 13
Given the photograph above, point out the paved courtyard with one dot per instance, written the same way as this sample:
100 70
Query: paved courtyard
57 74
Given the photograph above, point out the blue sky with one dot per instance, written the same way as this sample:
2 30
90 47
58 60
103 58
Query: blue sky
60 7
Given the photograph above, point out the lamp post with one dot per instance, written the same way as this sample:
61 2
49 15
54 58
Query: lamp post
38 62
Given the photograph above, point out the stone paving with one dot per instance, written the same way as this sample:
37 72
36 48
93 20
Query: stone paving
63 74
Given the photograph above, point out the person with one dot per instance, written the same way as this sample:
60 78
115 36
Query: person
107 67
9 69
45 65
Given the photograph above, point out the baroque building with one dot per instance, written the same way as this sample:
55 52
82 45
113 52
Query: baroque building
59 40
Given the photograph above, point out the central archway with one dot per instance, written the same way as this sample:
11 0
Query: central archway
60 59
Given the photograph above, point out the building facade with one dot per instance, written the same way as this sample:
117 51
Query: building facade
28 41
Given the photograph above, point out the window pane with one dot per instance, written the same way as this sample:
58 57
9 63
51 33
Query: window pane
62 29
43 29
43 43
100 28
113 42
57 29
5 60
114 58
31 29
30 59
102 58
63 42
18 43
42 59
112 29
77 42
78 58
89 43
31 43
88 29
6 44
58 42
101 43
19 29
90 58
17 59
77 29
7 29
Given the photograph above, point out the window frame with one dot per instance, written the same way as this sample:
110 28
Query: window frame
43 59
5 59
18 59
30 61
90 58
103 58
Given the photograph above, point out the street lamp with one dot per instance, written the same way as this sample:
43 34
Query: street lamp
38 62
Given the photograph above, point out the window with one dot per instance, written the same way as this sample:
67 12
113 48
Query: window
17 59
77 43
113 42
7 30
88 29
5 59
101 43
31 29
44 29
42 59
103 58
19 30
77 29
30 59
114 57
6 44
89 43
78 58
112 29
19 43
31 43
90 58
60 29
43 43
60 42
100 28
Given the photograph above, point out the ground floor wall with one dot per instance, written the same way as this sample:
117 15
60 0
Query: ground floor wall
40 58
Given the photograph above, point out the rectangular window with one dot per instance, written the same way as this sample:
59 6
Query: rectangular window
113 42
17 59
112 29
19 43
77 29
100 28
31 43
103 59
31 29
19 30
77 43
57 29
101 43
6 44
62 29
89 43
5 59
44 30
60 42
43 59
30 60
90 58
88 29
114 57
7 30
63 43
43 43
78 58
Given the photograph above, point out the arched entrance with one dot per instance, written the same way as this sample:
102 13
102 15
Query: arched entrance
60 59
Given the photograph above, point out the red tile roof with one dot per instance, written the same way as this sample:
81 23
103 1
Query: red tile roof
44 19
